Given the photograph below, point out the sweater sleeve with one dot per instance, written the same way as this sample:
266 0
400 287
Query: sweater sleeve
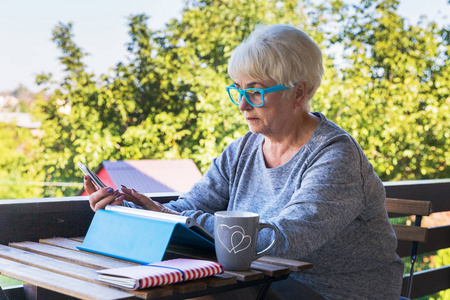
208 195
212 192
330 197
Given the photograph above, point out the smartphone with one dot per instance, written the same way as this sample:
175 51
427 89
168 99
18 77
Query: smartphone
94 178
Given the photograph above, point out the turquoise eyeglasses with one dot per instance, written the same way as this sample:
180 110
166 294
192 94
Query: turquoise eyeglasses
254 97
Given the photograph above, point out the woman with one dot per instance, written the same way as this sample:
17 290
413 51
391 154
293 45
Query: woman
298 171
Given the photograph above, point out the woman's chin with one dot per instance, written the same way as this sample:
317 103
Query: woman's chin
254 129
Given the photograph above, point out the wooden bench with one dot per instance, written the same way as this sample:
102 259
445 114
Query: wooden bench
413 234
414 240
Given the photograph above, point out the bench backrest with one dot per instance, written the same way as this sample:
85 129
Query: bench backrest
404 207
413 234
414 240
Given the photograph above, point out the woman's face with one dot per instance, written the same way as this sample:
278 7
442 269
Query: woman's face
275 117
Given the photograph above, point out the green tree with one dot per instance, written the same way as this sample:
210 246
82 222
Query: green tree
392 92
389 89
168 101
74 118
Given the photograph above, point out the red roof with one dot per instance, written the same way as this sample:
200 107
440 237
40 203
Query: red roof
150 175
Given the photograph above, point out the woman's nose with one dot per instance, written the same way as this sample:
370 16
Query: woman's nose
244 105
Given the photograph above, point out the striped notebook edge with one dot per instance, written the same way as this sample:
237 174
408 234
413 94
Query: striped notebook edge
160 273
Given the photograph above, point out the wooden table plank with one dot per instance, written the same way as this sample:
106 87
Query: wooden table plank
78 238
72 245
60 283
220 280
48 263
71 270
61 242
246 275
77 257
294 265
188 286
270 269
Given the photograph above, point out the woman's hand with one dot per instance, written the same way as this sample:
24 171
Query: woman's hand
144 201
98 199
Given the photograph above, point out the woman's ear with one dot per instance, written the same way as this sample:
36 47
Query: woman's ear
300 91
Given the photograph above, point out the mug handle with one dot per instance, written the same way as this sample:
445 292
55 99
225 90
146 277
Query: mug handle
270 226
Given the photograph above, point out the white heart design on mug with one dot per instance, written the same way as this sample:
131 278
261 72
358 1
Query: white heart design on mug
244 241
233 237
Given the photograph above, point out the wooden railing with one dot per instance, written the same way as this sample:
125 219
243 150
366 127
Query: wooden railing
34 219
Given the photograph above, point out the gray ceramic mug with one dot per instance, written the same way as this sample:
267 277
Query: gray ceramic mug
235 238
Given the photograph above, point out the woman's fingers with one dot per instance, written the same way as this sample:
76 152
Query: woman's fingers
128 196
145 201
139 199
118 200
149 204
104 196
98 199
88 185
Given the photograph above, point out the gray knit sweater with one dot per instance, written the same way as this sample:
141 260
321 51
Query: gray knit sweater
327 203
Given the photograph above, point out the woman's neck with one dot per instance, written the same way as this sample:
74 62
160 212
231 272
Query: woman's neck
279 150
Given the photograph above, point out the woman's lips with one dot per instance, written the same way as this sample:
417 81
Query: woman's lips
248 119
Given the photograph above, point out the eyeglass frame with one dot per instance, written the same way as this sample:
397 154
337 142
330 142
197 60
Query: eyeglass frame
275 88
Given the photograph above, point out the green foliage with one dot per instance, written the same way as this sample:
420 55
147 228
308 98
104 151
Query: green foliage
442 259
16 163
386 83
427 261
393 92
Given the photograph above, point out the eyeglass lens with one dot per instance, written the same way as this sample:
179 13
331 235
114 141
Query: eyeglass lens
253 96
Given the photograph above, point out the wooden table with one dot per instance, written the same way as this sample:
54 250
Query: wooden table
55 267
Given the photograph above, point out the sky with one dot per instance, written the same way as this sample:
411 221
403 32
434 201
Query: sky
100 28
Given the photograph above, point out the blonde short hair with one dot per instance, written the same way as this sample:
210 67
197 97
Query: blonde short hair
281 53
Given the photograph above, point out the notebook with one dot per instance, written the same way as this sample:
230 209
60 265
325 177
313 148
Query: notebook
161 273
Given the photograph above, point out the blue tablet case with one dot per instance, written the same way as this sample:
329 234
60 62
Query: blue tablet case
140 239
